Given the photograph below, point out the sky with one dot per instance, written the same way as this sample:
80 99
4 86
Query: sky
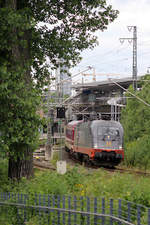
110 58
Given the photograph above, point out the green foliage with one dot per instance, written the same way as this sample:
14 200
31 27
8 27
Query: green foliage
19 121
127 118
4 181
49 183
137 153
43 183
136 123
31 32
55 158
80 181
35 30
74 179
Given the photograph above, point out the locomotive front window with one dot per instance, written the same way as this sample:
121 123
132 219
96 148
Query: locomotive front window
111 131
104 134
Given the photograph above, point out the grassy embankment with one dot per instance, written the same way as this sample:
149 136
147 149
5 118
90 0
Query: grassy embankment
83 182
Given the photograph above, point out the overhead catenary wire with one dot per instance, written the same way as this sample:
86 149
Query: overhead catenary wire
112 51
113 58
102 60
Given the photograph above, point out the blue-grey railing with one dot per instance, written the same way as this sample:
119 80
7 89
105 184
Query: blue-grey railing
37 209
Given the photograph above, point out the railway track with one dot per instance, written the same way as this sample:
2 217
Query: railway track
43 165
136 172
115 169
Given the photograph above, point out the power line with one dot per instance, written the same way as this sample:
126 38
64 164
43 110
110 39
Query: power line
112 51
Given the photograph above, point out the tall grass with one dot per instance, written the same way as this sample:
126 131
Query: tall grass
81 182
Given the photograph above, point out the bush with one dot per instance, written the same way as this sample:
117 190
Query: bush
74 179
137 153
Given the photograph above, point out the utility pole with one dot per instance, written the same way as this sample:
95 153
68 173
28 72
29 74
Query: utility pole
61 164
61 95
134 65
50 117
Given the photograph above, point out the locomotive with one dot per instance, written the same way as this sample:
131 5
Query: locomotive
99 142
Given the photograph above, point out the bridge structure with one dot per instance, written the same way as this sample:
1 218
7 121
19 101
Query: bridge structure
97 99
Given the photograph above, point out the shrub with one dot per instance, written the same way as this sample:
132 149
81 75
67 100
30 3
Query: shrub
137 153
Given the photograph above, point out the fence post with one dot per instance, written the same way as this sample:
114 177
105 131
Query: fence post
44 200
103 210
44 204
58 206
64 208
25 203
129 212
95 211
18 201
49 211
40 213
53 204
148 216
75 208
69 207
35 203
138 215
49 201
119 210
88 210
82 217
111 211
6 196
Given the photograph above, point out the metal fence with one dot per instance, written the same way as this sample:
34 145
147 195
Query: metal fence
22 209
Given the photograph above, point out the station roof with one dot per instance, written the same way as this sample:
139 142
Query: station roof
105 85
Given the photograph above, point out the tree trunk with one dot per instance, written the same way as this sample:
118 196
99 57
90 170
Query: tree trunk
21 166
21 162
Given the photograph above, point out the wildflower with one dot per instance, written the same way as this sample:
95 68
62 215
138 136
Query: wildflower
82 193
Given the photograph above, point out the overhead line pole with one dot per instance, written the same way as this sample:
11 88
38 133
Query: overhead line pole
134 65
135 57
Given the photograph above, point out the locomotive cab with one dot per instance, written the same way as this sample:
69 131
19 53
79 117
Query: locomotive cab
107 141
107 135
97 141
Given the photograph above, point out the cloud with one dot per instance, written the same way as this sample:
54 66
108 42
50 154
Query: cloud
112 57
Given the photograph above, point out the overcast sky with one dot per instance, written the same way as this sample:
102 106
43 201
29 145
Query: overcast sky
112 57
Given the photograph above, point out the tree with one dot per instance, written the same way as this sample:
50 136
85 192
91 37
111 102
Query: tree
135 116
34 33
136 123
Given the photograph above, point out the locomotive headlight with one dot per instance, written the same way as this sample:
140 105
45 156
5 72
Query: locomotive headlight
120 147
95 146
